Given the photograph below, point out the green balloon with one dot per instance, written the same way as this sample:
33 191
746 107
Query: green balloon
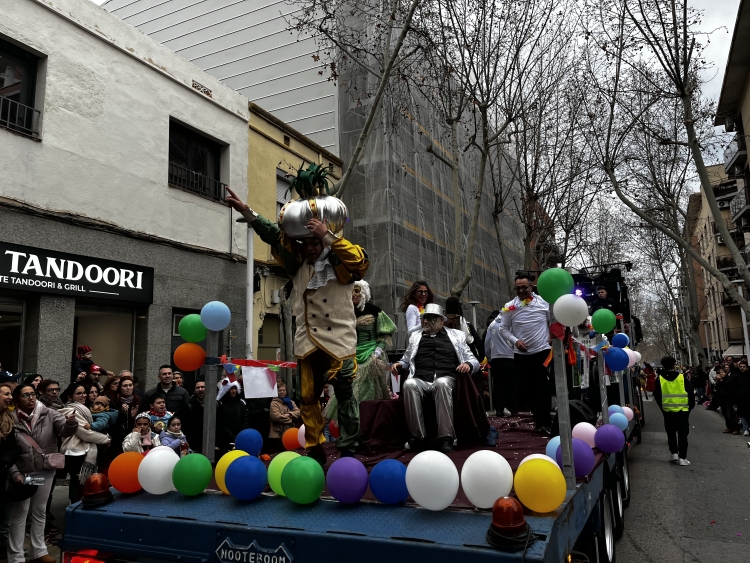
603 321
191 328
303 480
192 474
554 283
276 469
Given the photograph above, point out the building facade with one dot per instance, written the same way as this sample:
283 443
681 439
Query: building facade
400 200
115 157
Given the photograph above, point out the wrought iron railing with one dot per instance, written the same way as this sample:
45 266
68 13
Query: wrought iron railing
183 178
19 117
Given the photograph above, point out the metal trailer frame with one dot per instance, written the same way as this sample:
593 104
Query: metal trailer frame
135 527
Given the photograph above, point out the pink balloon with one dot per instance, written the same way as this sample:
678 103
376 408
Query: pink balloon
301 436
585 431
632 358
628 412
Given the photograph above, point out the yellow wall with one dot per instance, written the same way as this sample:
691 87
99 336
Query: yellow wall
267 153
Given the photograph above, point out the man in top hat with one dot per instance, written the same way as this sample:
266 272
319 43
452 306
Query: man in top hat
436 356
323 267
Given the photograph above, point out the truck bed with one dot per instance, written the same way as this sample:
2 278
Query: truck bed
218 528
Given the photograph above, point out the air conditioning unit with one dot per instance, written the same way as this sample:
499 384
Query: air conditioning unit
723 204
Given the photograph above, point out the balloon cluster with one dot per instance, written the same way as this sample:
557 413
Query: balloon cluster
194 328
160 471
556 287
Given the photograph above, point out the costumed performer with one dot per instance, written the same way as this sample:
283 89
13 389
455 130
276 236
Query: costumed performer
374 332
323 267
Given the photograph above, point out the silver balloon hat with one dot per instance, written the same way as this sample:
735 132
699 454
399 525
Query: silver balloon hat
313 187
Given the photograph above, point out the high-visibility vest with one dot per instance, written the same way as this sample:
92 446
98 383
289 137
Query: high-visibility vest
674 398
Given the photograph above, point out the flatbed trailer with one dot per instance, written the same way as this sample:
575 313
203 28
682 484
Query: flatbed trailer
216 528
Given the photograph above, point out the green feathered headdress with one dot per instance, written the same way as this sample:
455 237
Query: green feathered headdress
313 181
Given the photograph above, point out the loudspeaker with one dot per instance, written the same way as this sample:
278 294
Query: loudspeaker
579 412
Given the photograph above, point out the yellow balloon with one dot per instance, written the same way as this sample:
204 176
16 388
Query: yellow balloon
540 485
223 465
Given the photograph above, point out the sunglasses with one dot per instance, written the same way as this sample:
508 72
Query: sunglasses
522 287
422 291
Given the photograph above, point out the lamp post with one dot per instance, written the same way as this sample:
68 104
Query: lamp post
473 311
249 290
707 332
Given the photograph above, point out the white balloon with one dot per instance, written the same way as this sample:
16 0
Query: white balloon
486 476
585 431
155 471
628 412
301 436
631 357
638 357
538 456
432 480
570 310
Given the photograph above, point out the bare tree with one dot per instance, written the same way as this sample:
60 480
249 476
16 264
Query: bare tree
498 51
365 40
641 53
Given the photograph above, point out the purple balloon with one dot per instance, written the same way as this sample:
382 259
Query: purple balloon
347 480
583 457
609 438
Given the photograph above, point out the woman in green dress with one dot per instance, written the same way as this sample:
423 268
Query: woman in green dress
374 332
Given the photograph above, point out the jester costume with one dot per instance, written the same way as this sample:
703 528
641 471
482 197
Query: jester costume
374 332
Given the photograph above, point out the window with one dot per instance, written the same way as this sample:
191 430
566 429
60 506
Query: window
194 163
283 190
17 85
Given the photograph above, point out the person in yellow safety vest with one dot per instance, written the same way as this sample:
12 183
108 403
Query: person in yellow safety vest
674 395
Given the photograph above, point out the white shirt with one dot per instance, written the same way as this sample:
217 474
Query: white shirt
529 323
495 344
413 319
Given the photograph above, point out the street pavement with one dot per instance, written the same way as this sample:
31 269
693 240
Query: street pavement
694 514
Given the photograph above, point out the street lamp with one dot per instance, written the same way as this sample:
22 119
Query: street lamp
473 311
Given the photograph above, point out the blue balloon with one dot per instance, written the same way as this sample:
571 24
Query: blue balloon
620 340
619 420
615 409
250 441
616 359
552 446
388 481
246 477
215 315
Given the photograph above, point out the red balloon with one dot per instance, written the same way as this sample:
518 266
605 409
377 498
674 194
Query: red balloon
123 472
290 439
335 432
189 357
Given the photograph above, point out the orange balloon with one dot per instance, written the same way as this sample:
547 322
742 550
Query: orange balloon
189 356
123 472
290 439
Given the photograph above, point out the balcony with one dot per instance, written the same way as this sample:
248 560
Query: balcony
735 155
17 117
184 179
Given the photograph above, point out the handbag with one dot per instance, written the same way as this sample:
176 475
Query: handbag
51 461
17 492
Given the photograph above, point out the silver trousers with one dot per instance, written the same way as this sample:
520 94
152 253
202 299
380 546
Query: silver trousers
441 389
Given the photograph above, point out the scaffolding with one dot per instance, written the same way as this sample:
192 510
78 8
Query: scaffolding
402 212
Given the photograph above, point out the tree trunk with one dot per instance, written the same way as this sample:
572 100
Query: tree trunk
694 312
509 283
460 285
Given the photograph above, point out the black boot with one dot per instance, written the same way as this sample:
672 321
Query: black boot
318 454
445 444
